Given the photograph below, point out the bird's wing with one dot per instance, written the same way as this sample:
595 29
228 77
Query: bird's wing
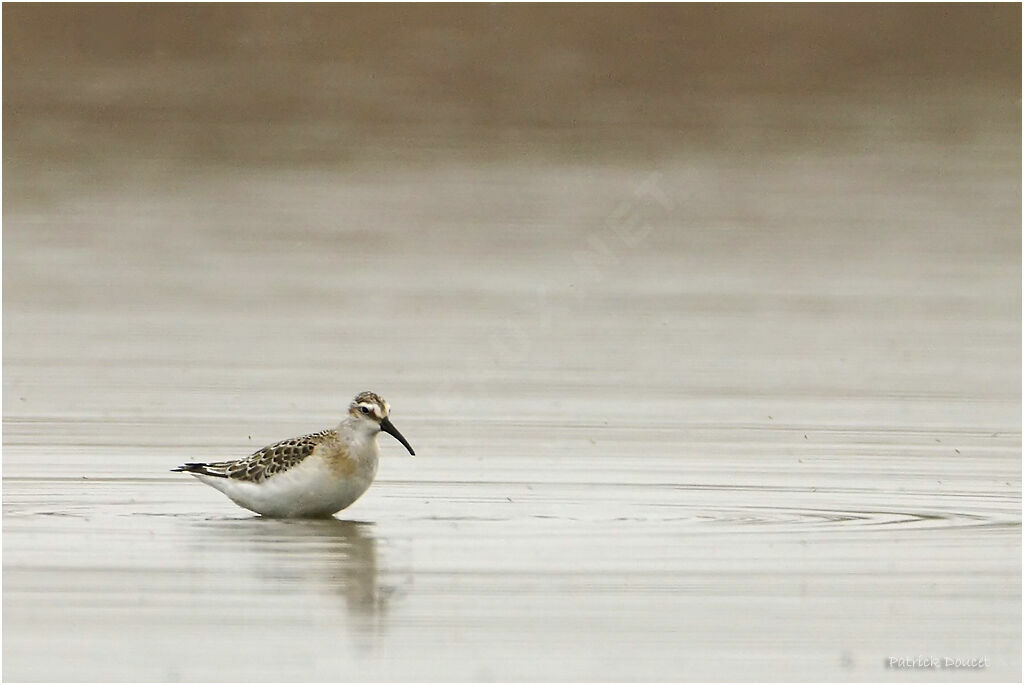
264 463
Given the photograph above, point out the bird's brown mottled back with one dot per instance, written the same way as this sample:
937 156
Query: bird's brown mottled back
264 463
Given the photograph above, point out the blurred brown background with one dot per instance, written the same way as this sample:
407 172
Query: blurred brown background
333 83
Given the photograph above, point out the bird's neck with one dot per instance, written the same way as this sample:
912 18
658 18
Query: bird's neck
358 435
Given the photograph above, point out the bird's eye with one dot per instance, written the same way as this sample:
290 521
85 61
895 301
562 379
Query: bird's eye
365 410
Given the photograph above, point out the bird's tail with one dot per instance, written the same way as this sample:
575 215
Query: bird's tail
195 467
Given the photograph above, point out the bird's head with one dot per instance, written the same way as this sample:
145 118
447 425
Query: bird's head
371 412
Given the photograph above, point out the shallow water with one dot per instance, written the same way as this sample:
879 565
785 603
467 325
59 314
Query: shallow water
734 397
732 456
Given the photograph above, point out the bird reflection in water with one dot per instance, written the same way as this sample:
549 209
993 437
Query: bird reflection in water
328 556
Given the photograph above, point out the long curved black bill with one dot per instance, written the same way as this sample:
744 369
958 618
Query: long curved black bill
389 427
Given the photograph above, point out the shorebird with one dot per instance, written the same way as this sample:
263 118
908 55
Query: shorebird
316 475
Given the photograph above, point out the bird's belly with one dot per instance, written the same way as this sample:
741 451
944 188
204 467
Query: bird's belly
306 490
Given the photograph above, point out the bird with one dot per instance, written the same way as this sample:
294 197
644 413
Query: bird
313 476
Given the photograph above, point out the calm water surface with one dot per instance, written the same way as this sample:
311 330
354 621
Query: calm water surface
764 435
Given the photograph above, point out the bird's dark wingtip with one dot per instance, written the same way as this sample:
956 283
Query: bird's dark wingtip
190 467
